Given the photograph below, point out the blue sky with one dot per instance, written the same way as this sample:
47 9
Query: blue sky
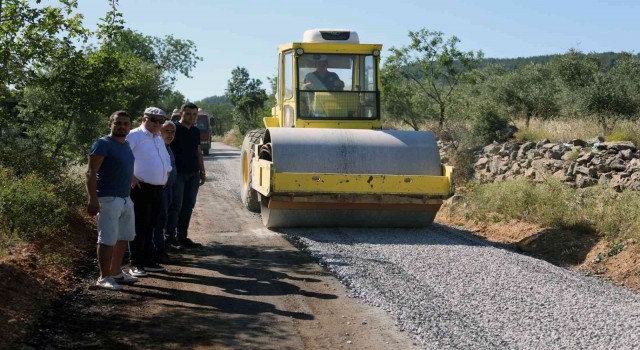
246 33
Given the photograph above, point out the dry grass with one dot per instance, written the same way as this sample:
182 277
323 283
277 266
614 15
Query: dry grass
233 138
613 215
563 130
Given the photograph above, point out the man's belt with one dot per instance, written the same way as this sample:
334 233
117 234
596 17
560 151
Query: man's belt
144 184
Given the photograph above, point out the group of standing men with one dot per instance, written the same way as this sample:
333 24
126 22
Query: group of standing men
142 185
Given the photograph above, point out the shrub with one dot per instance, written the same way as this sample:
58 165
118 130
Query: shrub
463 160
28 206
70 186
488 127
526 134
67 180
620 136
24 157
233 137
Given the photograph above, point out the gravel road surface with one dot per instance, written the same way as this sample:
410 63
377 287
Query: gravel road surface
452 291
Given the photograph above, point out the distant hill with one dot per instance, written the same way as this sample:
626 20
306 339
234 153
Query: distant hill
608 59
213 100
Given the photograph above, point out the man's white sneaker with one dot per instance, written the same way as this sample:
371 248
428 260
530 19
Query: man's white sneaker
124 277
108 283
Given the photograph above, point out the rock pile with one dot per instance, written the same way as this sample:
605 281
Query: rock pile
577 163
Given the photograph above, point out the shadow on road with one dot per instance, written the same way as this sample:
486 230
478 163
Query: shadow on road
219 154
208 302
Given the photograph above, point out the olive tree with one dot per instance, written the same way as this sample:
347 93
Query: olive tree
433 66
530 90
607 100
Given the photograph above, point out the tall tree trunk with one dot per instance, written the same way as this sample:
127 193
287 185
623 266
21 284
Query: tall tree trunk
442 110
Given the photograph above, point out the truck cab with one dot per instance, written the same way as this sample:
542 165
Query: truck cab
203 123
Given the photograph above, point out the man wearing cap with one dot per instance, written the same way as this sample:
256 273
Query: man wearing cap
150 173
322 79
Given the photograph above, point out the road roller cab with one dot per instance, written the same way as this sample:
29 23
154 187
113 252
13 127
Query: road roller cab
323 159
329 80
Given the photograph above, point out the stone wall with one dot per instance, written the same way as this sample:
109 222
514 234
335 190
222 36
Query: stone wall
577 163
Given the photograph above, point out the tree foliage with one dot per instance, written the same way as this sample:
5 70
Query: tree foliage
403 104
221 111
68 90
247 97
169 55
574 69
433 66
530 90
31 35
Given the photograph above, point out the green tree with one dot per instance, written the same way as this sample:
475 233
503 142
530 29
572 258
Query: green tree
30 36
170 55
575 69
626 71
67 103
247 97
608 100
271 97
401 103
434 67
221 111
170 100
530 90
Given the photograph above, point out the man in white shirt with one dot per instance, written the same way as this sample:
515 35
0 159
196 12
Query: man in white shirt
150 173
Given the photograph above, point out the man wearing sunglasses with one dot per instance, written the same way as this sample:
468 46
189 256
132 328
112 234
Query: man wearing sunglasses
150 173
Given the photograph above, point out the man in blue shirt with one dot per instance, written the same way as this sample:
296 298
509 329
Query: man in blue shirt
109 175
191 174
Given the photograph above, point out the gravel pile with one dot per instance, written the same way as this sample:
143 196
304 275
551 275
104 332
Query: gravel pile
454 292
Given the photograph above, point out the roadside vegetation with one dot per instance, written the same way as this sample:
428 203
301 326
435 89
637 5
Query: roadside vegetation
616 216
56 94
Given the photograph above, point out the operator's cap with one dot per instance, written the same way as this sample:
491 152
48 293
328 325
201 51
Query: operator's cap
150 111
317 57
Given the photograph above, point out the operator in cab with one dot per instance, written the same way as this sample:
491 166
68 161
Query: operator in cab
322 79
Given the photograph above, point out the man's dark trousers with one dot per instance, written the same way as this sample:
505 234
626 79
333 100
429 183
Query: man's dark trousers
147 204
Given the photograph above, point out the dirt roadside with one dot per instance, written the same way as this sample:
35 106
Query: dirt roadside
585 252
247 288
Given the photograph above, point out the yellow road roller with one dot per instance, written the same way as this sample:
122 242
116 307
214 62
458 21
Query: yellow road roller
324 160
